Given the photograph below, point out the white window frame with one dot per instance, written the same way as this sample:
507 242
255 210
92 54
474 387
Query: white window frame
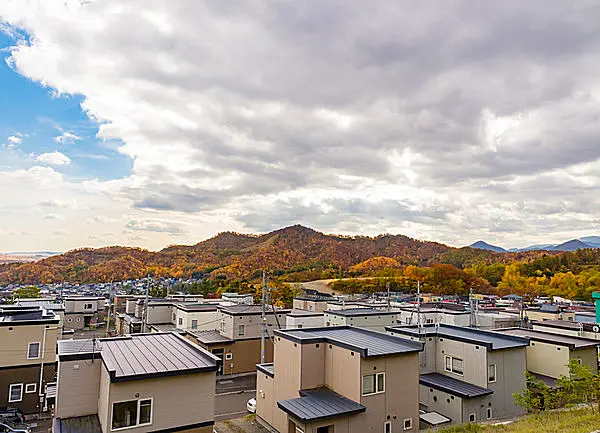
410 424
489 413
376 378
10 388
112 407
228 356
387 424
180 321
195 324
474 416
495 373
241 330
28 390
222 325
451 369
38 351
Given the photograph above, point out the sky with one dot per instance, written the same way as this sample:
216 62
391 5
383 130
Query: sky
148 123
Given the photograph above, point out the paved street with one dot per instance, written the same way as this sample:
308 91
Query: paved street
232 405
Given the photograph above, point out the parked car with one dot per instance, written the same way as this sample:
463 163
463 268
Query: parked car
12 414
251 405
7 426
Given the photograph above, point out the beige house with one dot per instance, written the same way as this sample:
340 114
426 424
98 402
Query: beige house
142 383
27 356
368 318
548 355
563 327
83 312
467 375
549 312
316 304
304 319
339 379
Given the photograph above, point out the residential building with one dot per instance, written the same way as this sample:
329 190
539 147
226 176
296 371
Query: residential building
339 379
316 304
83 312
28 338
158 382
438 312
549 312
467 374
368 318
53 305
238 298
304 319
585 330
548 354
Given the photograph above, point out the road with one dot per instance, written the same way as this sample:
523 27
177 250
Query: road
323 285
232 405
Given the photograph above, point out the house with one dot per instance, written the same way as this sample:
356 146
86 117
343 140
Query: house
369 318
27 356
304 319
585 330
435 312
339 379
158 382
549 312
83 312
316 304
548 354
238 298
237 341
468 374
53 305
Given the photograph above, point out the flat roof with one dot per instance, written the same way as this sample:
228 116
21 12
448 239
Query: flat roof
268 369
356 312
564 324
319 404
305 313
434 418
367 343
27 316
240 310
142 356
196 307
166 327
548 337
491 340
315 298
453 386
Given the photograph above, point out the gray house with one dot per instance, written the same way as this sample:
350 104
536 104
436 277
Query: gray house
467 375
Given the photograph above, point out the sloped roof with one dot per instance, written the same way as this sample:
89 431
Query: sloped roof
453 386
318 404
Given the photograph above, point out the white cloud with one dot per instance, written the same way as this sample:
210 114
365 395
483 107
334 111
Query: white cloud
54 158
67 137
14 139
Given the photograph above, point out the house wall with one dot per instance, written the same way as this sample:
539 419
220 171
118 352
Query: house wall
478 406
287 378
588 356
342 371
474 358
400 400
570 332
130 305
370 322
442 402
207 320
541 315
178 401
312 373
245 354
303 304
251 322
159 314
14 342
25 374
304 321
510 379
77 305
547 359
265 397
78 387
104 400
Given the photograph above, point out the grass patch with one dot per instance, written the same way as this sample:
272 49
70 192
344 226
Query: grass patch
564 421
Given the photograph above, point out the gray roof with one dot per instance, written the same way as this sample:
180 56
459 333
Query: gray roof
268 369
453 386
209 337
353 312
546 380
249 309
548 337
491 340
434 418
318 404
158 354
367 343
77 347
16 315
80 424
166 327
190 306
305 313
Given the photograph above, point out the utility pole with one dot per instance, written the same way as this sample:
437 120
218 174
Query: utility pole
145 321
263 318
419 324
387 286
110 307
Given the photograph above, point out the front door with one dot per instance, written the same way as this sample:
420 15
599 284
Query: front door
219 353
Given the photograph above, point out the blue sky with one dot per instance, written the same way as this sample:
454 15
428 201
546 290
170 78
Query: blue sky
31 111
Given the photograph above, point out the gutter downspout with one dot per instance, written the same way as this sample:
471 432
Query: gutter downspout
43 353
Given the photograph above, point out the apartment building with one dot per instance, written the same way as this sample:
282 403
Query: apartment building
468 375
304 319
83 312
368 318
548 354
585 330
430 313
339 379
237 341
146 382
28 338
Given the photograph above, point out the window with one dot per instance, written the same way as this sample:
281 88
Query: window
70 319
373 383
472 417
174 317
180 321
578 361
492 373
194 324
30 388
453 365
299 430
408 424
15 392
241 330
222 326
387 427
87 306
33 351
131 413
229 356
489 413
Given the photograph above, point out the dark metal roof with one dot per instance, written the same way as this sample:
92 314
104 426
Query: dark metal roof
318 404
268 369
353 312
367 343
240 310
305 313
546 380
491 340
77 347
209 337
80 424
27 315
158 354
453 386
195 307
550 338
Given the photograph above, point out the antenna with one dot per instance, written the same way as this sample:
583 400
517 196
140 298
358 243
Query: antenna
263 318
144 322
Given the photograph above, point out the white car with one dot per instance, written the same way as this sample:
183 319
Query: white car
251 405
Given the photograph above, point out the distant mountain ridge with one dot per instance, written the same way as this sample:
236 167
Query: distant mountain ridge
571 245
481 245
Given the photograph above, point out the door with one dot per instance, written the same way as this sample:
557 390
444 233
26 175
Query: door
219 353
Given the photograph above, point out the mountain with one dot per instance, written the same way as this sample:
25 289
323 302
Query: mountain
481 245
572 245
592 241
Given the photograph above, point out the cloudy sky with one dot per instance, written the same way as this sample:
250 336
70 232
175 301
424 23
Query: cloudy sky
159 122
